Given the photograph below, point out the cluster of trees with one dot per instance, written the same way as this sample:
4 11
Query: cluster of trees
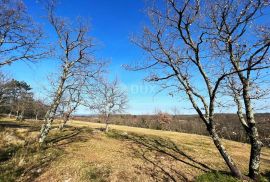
79 76
20 40
220 44
16 99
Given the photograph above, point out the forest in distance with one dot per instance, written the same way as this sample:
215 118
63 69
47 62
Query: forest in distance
69 111
227 124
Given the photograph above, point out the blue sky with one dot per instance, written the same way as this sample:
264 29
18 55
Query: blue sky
112 23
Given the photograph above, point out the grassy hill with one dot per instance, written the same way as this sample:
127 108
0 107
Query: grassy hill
82 152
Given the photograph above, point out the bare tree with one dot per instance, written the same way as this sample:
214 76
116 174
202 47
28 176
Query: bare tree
39 108
238 36
19 37
175 45
107 98
194 48
76 59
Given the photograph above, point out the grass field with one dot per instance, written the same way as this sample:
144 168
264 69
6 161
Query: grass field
82 152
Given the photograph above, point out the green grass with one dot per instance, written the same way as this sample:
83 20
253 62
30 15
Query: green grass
265 177
116 134
97 174
221 177
215 176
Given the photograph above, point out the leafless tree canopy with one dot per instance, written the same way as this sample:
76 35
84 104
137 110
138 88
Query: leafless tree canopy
20 37
107 98
212 53
238 38
78 64
194 47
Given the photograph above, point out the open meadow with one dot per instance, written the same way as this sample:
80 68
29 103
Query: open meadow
83 152
145 90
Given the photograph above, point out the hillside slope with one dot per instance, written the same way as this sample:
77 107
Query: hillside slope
84 153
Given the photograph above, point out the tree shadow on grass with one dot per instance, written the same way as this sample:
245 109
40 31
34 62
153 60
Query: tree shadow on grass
10 124
36 169
31 126
29 169
70 136
26 162
57 142
159 157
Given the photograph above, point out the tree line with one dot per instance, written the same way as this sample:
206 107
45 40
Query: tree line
227 124
17 100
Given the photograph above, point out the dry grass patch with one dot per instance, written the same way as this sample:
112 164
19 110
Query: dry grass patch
82 152
199 147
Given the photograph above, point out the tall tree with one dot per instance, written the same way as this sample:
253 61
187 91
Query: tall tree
75 50
238 36
16 96
190 46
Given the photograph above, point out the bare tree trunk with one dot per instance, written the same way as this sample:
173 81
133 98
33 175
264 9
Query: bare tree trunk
36 116
49 117
249 124
254 161
17 115
107 123
61 126
229 161
21 116
45 130
107 127
256 144
65 120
